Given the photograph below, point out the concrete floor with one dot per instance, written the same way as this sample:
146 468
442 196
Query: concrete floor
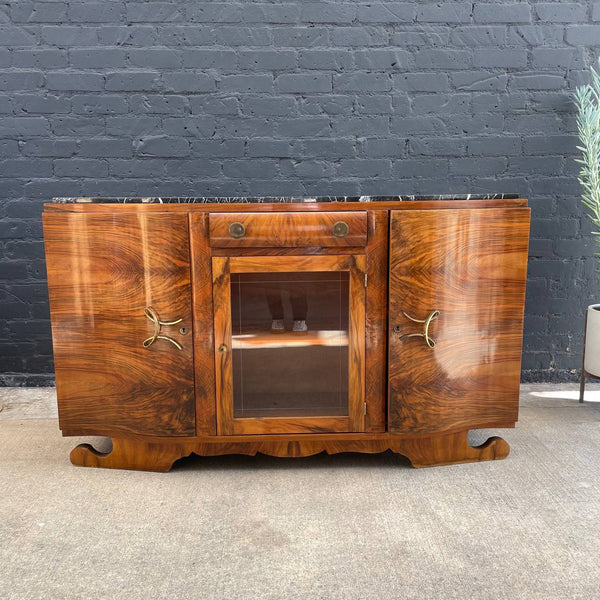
345 526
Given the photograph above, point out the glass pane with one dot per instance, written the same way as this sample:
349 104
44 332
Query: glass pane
290 344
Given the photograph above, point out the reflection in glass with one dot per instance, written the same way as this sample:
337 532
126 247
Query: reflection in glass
290 344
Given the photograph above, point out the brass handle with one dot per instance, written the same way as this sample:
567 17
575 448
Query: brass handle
151 314
237 230
222 348
340 229
430 342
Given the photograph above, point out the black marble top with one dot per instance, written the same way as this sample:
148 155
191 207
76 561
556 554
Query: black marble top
281 199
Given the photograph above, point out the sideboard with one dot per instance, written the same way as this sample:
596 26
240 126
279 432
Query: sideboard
286 326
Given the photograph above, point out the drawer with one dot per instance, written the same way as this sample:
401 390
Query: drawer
288 229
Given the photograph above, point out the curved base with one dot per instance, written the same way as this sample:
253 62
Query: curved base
450 449
128 454
428 451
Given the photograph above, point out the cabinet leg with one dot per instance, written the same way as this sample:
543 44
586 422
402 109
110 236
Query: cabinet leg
449 449
128 454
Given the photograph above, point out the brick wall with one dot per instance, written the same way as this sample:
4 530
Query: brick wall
284 98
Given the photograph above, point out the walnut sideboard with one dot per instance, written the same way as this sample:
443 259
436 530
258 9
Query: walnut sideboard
286 326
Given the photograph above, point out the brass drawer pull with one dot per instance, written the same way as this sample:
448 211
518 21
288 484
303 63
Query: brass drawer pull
340 229
151 314
429 341
237 230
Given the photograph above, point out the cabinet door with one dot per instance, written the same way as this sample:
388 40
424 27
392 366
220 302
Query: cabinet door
121 321
290 339
457 276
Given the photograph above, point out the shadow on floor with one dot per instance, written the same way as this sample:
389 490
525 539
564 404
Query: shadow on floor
262 462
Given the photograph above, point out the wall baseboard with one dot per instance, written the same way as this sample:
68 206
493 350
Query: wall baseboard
550 375
27 380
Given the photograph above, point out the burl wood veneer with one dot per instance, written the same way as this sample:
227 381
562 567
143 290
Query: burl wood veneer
465 268
104 271
141 309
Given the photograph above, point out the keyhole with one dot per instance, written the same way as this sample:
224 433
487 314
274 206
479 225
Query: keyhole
183 330
397 328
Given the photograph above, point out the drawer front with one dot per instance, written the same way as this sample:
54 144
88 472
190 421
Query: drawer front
288 229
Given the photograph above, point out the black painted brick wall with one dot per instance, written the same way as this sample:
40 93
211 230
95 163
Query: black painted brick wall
248 98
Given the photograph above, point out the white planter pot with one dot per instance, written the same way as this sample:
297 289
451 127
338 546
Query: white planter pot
592 341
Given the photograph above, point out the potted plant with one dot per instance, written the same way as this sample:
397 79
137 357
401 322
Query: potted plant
587 101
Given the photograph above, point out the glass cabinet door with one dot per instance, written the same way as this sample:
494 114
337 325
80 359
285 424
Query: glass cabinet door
289 336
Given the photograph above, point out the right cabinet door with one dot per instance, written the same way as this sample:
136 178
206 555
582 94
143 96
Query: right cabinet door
456 298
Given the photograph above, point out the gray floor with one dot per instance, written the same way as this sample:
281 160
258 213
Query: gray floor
345 526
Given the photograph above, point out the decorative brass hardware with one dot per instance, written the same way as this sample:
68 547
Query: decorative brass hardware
340 229
237 230
151 314
222 348
183 330
430 342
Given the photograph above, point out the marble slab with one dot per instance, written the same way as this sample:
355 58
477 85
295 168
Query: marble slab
281 199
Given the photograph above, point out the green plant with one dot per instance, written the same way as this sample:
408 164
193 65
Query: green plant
587 101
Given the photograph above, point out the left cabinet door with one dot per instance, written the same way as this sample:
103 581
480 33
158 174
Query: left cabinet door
120 303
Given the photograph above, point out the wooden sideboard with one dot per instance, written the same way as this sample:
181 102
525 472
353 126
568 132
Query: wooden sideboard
286 328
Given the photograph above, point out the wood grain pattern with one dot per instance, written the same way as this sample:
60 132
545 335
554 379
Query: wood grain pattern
449 449
288 425
223 360
103 271
222 269
471 266
204 345
376 321
288 229
129 454
425 451
284 264
303 251
356 344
